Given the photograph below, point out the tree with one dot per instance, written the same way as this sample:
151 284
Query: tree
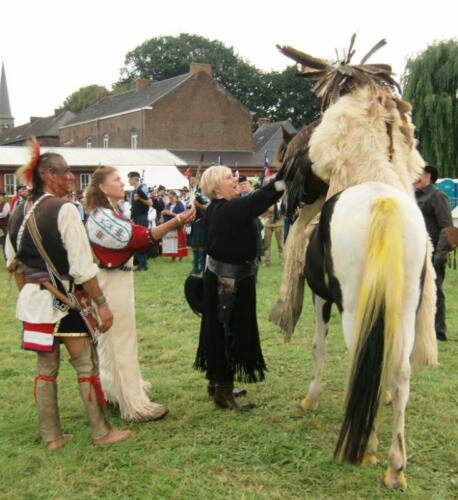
83 98
278 96
290 96
431 85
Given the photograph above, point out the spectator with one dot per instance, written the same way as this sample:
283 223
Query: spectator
19 197
4 216
273 223
140 204
195 237
436 211
174 243
184 196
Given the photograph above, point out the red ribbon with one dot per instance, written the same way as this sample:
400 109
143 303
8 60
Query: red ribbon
95 384
45 378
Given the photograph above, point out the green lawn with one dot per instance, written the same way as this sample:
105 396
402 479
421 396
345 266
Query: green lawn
198 451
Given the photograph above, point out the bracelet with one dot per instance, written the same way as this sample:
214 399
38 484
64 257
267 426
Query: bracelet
180 222
100 301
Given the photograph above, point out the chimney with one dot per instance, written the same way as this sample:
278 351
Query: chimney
263 121
141 84
195 68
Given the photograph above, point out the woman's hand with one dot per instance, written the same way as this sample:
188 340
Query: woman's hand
188 215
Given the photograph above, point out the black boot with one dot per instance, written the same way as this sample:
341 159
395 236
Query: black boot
224 398
238 393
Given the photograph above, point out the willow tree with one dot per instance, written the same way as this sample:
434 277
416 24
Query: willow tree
431 85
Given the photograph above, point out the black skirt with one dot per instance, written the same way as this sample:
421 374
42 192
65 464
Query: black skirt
238 356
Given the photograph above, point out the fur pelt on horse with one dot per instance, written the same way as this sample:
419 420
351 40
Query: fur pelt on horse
366 135
287 310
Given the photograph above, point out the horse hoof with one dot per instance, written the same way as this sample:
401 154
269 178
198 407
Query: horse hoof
308 404
388 398
395 480
369 459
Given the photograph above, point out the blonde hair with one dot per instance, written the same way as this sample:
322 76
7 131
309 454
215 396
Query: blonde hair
211 178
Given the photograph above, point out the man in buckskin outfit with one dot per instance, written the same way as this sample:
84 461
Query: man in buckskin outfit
47 322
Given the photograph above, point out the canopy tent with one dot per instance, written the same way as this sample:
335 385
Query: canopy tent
157 166
155 175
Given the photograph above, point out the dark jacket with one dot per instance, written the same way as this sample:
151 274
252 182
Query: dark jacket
435 208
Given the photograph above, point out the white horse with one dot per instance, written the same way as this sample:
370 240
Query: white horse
367 256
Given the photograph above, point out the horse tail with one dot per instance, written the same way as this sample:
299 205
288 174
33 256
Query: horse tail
378 312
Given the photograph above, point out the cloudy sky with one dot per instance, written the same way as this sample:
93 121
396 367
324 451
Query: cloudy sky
50 49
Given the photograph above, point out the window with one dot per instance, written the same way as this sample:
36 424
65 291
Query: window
10 184
134 139
85 180
89 142
105 140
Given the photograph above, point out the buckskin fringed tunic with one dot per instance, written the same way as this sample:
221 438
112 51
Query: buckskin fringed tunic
114 239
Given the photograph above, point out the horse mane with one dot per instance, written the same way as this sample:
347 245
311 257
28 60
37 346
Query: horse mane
302 186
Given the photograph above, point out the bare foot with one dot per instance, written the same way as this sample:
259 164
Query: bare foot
56 444
113 436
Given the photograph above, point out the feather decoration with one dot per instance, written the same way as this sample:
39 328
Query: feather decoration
26 171
339 78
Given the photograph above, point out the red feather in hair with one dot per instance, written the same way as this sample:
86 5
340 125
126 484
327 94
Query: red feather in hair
28 174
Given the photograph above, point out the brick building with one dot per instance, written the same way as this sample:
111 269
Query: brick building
45 129
187 112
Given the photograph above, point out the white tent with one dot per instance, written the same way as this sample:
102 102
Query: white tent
157 166
153 175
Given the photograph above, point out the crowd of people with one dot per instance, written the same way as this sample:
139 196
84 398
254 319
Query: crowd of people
65 248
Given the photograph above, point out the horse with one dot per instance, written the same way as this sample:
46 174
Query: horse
368 255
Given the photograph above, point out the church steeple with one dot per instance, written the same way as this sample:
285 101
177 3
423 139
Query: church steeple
6 119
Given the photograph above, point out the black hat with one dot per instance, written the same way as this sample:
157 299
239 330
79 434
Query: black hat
184 188
242 178
133 174
194 293
433 172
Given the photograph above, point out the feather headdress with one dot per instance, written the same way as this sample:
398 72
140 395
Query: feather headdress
340 77
26 172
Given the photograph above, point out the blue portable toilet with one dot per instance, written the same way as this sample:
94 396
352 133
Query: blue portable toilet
450 188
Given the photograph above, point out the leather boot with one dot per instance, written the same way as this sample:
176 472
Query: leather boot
46 396
238 393
224 397
91 392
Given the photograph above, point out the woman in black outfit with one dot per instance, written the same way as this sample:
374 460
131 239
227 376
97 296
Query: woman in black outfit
229 345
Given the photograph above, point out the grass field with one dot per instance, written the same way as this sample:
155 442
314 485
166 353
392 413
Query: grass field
276 451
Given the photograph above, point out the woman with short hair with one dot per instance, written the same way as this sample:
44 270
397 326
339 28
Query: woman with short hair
229 345
114 239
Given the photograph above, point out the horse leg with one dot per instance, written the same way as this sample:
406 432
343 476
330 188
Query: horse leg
400 387
370 457
322 314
